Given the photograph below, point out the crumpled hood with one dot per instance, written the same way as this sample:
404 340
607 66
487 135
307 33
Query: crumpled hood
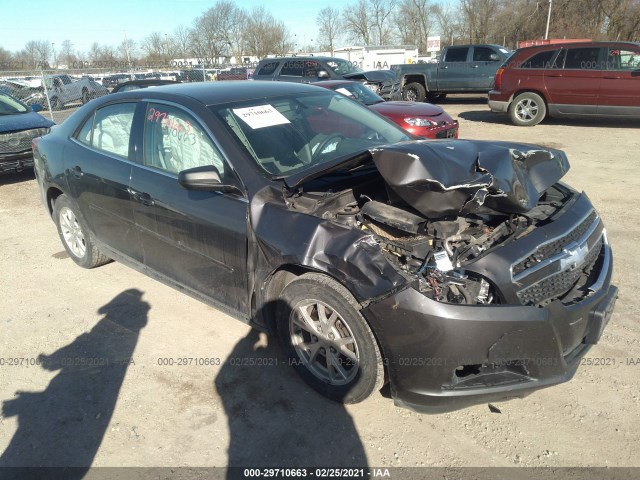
373 76
23 121
451 178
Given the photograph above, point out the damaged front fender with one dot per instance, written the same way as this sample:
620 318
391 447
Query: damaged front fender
349 255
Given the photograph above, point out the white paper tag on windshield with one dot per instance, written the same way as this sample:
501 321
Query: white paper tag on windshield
261 116
344 91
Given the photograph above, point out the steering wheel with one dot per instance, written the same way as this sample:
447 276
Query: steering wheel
325 143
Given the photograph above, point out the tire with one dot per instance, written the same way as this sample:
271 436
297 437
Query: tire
353 370
78 240
85 96
527 109
414 92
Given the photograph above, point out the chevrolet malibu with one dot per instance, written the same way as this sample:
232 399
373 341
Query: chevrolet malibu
458 271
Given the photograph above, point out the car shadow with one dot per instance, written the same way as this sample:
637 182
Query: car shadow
64 425
17 177
275 419
503 119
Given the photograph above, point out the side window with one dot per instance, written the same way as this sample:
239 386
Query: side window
484 54
539 60
583 58
174 141
84 135
268 68
559 61
456 54
111 129
311 68
292 68
621 59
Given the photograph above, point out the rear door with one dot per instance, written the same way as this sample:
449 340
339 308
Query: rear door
98 163
195 238
620 89
573 84
454 70
484 64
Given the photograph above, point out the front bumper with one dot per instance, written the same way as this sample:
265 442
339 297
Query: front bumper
442 357
16 162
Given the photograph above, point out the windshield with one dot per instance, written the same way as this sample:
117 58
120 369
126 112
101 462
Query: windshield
359 92
343 67
10 105
289 134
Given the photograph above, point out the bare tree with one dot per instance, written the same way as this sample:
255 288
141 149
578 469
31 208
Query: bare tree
381 16
181 40
357 22
264 34
412 21
66 54
329 23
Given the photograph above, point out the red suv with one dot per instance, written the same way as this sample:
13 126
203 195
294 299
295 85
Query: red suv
565 80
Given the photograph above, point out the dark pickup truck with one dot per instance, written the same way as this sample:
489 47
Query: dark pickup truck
461 69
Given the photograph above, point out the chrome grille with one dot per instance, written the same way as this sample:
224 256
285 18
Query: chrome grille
558 284
16 142
555 247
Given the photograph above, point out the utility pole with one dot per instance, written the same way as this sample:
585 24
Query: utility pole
546 34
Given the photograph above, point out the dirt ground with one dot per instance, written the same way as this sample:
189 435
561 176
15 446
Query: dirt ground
96 376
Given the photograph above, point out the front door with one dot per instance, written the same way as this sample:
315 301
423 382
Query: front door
620 89
195 238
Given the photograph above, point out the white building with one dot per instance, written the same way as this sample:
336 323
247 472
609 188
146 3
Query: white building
378 57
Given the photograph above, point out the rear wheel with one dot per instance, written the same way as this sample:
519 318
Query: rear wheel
55 104
414 92
527 109
78 240
85 96
327 340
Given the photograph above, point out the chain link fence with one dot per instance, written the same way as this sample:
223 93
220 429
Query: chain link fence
58 93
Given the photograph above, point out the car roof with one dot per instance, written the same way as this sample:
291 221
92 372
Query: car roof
552 46
309 57
213 93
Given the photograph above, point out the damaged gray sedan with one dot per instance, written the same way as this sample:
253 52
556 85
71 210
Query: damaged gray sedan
457 271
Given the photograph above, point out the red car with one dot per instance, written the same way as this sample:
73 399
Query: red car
422 119
599 79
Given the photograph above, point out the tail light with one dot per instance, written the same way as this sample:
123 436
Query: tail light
497 83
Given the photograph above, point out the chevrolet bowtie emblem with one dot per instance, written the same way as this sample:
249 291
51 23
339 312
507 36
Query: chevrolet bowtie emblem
575 256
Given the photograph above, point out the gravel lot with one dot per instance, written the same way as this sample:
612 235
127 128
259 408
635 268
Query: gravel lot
237 402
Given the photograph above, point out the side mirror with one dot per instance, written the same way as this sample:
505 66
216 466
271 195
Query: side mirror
36 107
205 179
323 75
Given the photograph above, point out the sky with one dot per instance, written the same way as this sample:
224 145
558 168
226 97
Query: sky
106 22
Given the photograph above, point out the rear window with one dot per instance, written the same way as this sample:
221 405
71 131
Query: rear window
582 58
540 60
456 54
292 68
268 68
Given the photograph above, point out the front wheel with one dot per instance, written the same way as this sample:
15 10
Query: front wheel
527 109
76 237
414 92
85 96
327 340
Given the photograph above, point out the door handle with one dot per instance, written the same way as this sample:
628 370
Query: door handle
444 67
557 75
475 66
612 78
142 197
77 171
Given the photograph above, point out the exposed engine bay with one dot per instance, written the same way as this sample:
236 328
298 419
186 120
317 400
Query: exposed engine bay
432 228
